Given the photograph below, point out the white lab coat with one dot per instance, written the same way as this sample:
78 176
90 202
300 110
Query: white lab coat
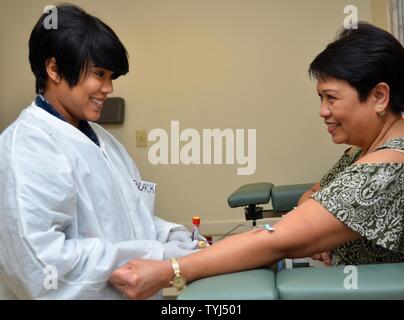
71 206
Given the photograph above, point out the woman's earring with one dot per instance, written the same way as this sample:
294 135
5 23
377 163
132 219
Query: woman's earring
382 112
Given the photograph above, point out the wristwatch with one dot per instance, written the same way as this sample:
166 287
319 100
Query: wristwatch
179 281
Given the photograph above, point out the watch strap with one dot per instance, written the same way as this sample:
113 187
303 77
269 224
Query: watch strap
176 266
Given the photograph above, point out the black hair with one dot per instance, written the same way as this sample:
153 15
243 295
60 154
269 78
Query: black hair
364 57
79 40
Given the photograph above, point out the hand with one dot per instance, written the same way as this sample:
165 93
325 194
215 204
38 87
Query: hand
140 279
180 235
176 249
323 256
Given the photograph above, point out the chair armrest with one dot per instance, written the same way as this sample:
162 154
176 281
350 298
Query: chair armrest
255 193
285 198
375 281
256 284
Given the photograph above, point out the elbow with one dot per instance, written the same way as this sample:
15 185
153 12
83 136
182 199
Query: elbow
295 251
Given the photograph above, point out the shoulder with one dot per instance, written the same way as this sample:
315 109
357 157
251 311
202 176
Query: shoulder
391 152
31 151
27 130
383 156
29 141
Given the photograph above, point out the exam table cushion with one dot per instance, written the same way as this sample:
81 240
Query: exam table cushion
257 284
374 281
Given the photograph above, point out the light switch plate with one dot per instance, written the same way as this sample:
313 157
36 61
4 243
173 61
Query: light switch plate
141 138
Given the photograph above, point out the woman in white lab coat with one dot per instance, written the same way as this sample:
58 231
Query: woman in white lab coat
70 208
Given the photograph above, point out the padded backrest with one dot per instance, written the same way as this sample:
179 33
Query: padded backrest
285 198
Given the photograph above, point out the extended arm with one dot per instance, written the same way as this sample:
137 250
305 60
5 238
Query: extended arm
306 230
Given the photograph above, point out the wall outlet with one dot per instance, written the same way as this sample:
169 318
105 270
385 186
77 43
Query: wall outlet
141 138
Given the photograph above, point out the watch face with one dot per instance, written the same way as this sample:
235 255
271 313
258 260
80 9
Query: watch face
179 282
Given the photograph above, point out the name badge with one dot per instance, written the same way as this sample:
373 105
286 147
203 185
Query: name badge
147 192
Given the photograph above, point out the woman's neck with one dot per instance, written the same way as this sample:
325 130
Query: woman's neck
392 128
59 107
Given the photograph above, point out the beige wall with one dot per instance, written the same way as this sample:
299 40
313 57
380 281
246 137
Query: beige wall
209 64
380 13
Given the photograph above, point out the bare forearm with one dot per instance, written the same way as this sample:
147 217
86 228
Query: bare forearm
139 279
240 252
301 233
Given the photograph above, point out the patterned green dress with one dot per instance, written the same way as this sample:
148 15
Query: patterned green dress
368 198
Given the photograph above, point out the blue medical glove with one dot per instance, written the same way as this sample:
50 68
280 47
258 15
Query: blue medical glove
176 249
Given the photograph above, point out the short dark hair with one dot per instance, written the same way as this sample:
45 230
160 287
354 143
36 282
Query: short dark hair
79 41
364 57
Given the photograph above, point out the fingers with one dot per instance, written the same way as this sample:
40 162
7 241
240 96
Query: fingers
316 256
325 257
117 280
118 277
140 278
126 282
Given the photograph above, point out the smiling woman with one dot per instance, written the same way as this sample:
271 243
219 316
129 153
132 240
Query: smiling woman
68 198
360 85
74 65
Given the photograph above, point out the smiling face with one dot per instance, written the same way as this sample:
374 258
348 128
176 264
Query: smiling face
348 120
83 101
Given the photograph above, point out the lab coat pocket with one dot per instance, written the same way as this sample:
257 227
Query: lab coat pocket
147 192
